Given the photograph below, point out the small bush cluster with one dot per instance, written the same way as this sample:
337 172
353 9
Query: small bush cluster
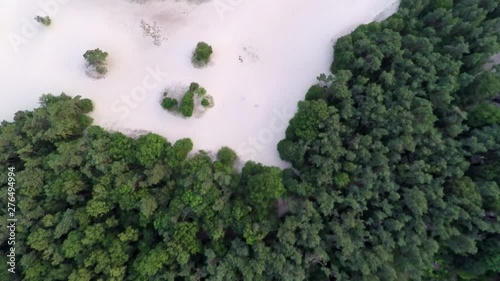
43 20
193 96
169 103
202 54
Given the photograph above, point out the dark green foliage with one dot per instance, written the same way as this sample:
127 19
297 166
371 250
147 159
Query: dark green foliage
202 54
308 122
100 205
396 174
316 92
263 185
193 86
446 4
97 59
188 100
226 156
86 106
388 155
205 102
169 103
179 152
43 20
187 104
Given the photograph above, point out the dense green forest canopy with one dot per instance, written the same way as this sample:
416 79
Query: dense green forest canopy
396 173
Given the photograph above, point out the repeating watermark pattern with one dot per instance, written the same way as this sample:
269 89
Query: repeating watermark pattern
222 7
11 219
250 148
7 7
152 81
29 27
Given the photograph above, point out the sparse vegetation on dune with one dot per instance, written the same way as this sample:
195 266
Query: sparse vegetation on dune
96 61
44 20
202 54
192 99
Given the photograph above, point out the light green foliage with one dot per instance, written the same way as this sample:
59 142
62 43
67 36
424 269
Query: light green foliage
341 179
96 208
148 206
72 245
129 234
43 20
184 242
150 148
484 114
253 233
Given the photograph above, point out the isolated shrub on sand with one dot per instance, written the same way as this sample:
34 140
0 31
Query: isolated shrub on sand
205 102
202 54
43 20
187 104
97 59
169 103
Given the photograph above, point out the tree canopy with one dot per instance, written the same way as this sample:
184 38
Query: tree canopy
395 174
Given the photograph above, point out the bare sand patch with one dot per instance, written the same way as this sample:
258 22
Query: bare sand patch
266 55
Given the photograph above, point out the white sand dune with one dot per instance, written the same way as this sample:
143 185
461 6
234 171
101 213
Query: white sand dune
266 55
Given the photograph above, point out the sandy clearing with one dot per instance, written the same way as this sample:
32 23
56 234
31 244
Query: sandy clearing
284 46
